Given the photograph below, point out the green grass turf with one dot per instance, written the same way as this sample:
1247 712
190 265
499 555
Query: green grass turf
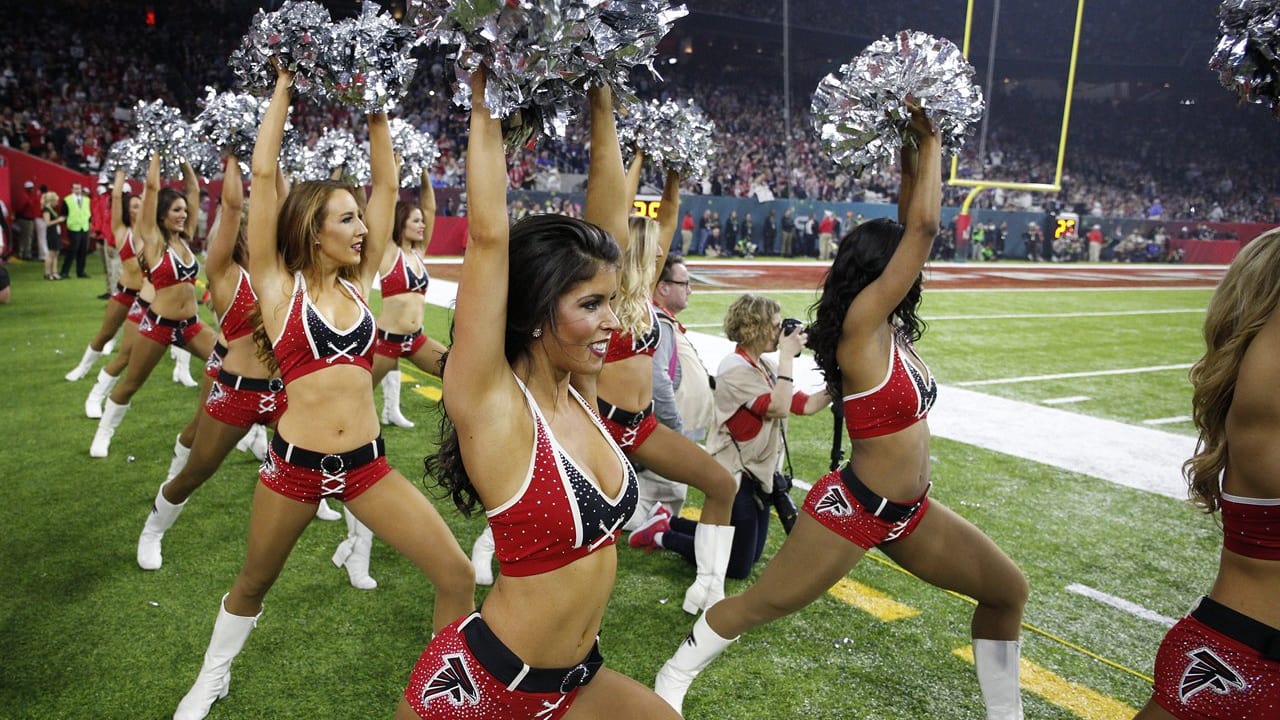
86 633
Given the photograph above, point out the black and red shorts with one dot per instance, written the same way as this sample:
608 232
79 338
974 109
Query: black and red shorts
467 673
137 311
629 430
125 295
395 345
1219 663
309 476
244 402
847 507
167 331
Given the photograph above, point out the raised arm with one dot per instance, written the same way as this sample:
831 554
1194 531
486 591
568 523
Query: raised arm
634 172
191 186
920 207
282 187
477 365
668 220
148 234
380 213
427 204
222 243
265 266
607 201
118 228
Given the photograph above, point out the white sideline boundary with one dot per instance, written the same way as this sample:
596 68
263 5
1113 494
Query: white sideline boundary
1128 455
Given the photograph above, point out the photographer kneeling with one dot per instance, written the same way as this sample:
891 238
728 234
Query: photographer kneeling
753 400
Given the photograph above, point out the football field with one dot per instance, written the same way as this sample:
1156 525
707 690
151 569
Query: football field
1061 422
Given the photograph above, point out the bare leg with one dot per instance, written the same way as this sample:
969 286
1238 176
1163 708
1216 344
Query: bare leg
381 366
1152 711
112 318
677 458
983 572
143 358
210 448
810 561
275 524
399 514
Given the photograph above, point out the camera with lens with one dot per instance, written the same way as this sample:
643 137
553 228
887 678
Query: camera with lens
790 325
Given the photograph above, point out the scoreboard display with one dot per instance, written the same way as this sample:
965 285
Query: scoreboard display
1066 226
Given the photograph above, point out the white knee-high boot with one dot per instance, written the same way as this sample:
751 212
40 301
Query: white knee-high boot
997 665
354 553
482 557
182 366
180 454
86 361
112 414
163 515
98 394
229 635
699 648
391 414
324 512
111 344
711 547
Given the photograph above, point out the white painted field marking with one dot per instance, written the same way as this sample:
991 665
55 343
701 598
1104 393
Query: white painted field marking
1065 400
1168 420
1038 316
1121 604
1064 376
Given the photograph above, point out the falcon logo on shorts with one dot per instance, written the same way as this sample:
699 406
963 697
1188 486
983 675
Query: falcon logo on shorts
834 503
1207 671
452 681
215 393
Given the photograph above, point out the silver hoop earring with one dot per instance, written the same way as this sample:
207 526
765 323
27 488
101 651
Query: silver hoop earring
537 333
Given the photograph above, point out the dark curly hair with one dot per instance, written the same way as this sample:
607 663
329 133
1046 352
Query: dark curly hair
862 256
548 255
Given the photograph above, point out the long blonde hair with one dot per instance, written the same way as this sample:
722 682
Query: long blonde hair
1240 307
635 277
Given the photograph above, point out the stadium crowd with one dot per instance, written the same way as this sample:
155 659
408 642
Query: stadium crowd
60 102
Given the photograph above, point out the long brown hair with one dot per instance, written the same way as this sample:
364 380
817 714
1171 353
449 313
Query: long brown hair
1240 307
403 211
300 222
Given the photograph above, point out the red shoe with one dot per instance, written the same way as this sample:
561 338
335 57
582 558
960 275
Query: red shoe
643 537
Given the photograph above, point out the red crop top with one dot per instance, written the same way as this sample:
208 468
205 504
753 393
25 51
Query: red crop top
623 345
308 342
126 249
1251 526
235 322
401 279
558 515
170 271
901 400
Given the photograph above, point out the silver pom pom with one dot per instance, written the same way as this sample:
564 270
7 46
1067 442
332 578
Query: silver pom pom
417 152
373 69
861 113
542 56
230 122
1247 56
128 155
299 36
677 136
336 150
162 130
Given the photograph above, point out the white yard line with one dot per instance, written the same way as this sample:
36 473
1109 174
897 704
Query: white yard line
1137 457
1065 400
1064 376
1121 604
1168 420
1038 316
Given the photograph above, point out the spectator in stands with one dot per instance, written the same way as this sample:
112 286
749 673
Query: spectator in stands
769 233
1231 638
788 232
827 236
686 232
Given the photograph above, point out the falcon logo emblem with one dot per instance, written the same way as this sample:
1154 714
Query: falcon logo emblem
834 503
215 393
1207 671
452 681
